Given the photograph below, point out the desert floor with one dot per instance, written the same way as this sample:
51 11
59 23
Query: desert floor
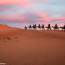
32 47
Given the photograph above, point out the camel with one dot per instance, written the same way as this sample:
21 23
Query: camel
42 27
34 27
63 28
30 27
39 26
25 27
48 27
56 27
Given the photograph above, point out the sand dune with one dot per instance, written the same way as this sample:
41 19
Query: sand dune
31 47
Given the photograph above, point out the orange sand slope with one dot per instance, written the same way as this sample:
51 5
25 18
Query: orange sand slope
28 47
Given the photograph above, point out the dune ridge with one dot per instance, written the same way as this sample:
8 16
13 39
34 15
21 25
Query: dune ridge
32 47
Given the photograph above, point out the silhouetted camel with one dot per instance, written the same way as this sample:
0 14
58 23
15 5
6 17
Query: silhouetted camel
42 27
63 28
39 26
49 27
56 27
34 27
25 27
30 27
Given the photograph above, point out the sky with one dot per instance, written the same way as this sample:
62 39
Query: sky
20 13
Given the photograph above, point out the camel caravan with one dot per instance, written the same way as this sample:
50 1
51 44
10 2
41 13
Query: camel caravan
42 27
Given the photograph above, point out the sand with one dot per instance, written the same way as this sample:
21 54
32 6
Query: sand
32 47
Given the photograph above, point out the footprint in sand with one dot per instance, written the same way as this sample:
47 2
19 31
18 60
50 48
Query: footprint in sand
0 39
9 38
5 39
16 39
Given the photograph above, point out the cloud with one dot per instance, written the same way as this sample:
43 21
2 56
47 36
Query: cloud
31 18
26 6
3 8
14 1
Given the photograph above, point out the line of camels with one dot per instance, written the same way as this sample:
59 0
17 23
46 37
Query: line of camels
34 27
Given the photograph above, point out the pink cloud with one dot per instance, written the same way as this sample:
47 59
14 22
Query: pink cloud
42 14
13 18
52 19
14 1
38 17
26 6
48 19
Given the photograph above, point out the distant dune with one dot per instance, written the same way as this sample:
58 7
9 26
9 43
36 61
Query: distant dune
31 47
2 26
6 28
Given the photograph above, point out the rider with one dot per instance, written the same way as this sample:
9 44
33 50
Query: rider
64 26
56 26
42 25
39 25
48 25
30 26
35 25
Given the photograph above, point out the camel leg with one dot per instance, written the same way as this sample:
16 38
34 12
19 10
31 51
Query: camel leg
47 28
34 28
64 30
31 28
40 28
44 28
54 29
58 29
50 28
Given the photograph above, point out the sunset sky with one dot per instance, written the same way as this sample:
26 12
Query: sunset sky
19 13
